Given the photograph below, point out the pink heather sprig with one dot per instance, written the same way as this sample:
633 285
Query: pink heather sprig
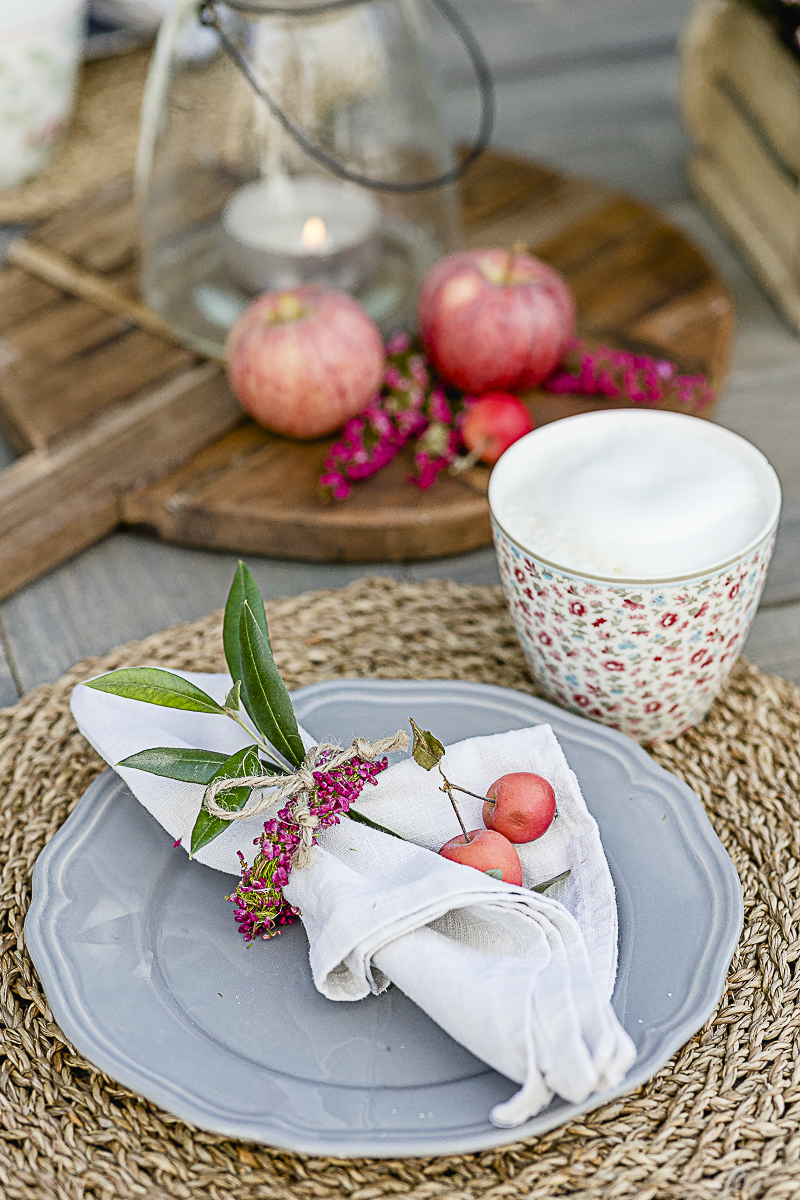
260 904
373 438
439 444
638 378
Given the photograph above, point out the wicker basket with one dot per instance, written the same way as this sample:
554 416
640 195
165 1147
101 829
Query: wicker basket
740 92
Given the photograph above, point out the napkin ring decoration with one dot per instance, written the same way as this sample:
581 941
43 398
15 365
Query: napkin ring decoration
314 786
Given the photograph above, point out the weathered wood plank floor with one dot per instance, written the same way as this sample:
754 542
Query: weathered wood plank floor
591 86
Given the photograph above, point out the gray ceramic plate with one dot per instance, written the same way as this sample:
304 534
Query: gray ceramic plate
146 974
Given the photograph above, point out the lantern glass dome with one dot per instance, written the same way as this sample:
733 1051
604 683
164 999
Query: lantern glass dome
233 203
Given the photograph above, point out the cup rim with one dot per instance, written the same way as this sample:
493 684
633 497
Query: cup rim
625 415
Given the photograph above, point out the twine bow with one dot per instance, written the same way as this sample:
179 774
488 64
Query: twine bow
300 785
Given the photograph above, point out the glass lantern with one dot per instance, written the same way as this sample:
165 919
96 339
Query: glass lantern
288 144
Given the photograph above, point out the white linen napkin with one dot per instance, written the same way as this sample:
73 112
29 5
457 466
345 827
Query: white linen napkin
522 980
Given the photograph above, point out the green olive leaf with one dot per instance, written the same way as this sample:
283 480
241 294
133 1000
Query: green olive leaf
154 686
177 762
234 696
425 749
361 819
548 883
244 589
264 692
495 872
206 827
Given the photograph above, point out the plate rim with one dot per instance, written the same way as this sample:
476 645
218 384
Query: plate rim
49 895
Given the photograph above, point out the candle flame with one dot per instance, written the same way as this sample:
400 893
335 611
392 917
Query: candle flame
314 232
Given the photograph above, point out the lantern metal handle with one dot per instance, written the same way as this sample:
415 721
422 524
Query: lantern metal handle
207 15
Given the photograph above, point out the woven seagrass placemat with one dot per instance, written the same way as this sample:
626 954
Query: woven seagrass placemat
721 1120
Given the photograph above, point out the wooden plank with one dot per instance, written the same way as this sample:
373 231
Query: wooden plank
765 187
718 192
106 240
55 501
9 691
62 331
532 38
128 586
774 641
740 91
22 296
729 44
480 566
41 400
783 578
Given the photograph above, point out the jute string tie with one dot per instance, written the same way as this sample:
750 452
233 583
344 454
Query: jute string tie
300 785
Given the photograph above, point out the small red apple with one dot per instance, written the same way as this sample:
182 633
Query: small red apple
486 850
493 423
303 361
495 319
521 806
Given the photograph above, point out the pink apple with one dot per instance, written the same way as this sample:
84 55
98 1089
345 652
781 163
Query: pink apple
303 361
495 319
486 851
521 806
493 423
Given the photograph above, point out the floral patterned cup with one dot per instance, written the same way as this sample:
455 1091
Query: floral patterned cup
644 656
40 49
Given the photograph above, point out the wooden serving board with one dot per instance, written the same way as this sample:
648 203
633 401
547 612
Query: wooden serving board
117 424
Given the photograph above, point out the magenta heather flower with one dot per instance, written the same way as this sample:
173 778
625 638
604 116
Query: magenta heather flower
636 377
439 444
398 343
411 405
373 438
260 906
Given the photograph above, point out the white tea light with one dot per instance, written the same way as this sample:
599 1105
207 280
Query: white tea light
287 232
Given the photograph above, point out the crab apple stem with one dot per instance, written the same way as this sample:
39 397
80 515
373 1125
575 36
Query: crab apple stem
467 461
448 788
467 792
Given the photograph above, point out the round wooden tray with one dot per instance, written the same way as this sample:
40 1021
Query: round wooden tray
120 425
639 284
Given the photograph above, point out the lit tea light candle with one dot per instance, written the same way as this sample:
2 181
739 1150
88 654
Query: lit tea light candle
314 232
292 231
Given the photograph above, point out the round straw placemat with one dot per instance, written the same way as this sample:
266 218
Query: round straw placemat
722 1119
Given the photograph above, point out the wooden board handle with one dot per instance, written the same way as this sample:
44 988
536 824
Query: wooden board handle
61 272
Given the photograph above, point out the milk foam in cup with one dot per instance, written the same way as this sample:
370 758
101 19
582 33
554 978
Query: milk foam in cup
633 547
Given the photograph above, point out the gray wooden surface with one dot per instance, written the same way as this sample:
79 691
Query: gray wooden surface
590 86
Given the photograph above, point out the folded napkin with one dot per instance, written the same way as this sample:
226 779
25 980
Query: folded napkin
523 980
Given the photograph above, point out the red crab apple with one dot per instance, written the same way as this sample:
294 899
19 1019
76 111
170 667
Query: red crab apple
521 806
303 361
493 423
495 319
486 851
